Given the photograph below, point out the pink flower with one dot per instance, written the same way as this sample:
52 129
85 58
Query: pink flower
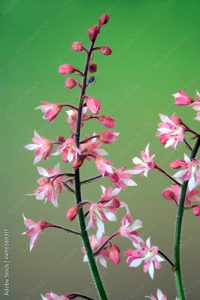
66 69
68 149
196 211
107 121
34 230
72 117
122 178
108 137
50 110
190 173
170 131
77 46
182 99
174 193
103 19
49 186
196 106
145 164
109 194
129 228
93 105
104 166
105 50
146 253
52 296
110 251
91 149
160 296
42 147
70 83
93 32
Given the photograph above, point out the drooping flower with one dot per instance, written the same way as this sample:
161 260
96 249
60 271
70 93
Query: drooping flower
53 296
174 193
72 117
160 296
170 131
68 149
111 251
196 106
129 228
49 184
35 229
109 194
104 166
93 105
122 178
191 171
50 110
108 137
42 147
146 253
182 99
144 165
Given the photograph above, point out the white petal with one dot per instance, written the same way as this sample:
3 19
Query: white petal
186 158
180 174
101 152
136 262
42 172
31 146
110 216
137 224
36 134
151 270
115 192
129 182
148 243
103 261
169 143
191 183
137 161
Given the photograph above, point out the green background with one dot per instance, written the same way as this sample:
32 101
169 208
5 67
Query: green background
155 52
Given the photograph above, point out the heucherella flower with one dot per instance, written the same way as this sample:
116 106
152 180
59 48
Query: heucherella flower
91 149
182 99
77 46
70 83
72 117
111 251
68 149
122 178
144 165
50 110
93 105
107 137
104 166
52 296
170 131
107 121
160 296
146 253
49 184
42 147
196 106
35 229
129 228
190 173
174 193
66 69
109 194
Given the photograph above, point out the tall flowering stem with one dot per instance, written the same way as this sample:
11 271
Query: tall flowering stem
84 234
178 229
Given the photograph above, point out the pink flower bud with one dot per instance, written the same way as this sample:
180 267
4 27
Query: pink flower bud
93 32
93 105
66 69
182 99
103 19
70 83
105 50
168 194
72 213
114 254
92 68
77 46
176 164
108 137
196 211
107 121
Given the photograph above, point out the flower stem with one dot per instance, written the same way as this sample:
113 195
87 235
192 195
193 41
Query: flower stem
89 180
104 244
65 229
84 234
166 174
177 241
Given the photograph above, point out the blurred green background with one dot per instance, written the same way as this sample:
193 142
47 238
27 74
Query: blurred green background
156 46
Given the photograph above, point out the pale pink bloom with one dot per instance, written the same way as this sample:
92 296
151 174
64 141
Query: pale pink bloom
122 178
170 131
49 184
42 147
68 149
77 46
93 105
146 253
196 106
91 148
66 69
107 121
174 193
111 251
72 117
108 137
52 296
104 166
160 296
70 83
34 231
182 99
50 110
129 228
93 32
105 50
109 194
145 164
190 173
103 19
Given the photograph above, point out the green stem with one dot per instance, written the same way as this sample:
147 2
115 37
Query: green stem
177 241
84 234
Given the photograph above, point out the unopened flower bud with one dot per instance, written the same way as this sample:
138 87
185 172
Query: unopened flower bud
103 20
72 213
108 137
77 46
93 32
92 68
196 211
66 69
107 121
93 105
105 50
70 83
60 139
